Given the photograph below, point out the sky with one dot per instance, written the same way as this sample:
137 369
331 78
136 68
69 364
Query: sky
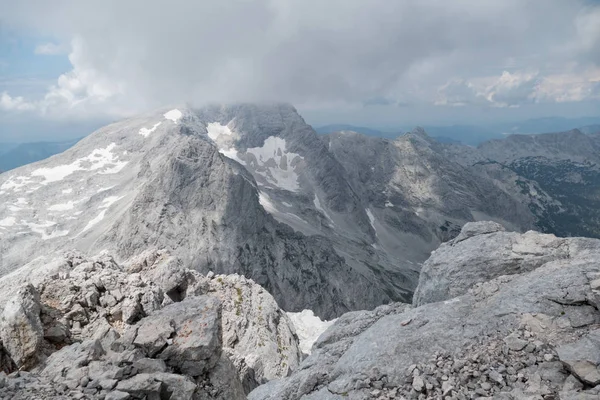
67 67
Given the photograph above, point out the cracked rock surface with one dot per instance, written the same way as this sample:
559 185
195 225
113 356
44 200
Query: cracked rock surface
530 334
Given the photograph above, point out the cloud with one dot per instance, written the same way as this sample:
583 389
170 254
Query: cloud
520 88
9 103
310 52
51 49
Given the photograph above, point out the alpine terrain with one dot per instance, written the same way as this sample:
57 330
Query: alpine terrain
231 252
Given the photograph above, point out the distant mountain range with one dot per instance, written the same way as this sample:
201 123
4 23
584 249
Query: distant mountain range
473 134
14 155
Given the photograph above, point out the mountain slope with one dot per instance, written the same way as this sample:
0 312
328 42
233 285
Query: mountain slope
565 170
159 180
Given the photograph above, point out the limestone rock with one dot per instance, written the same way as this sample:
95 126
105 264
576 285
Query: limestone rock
490 252
21 329
489 342
192 341
583 357
103 325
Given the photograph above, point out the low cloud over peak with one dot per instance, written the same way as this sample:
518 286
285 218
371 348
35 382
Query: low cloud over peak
134 55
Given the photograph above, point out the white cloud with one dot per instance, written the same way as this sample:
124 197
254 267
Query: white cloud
51 49
312 52
520 88
9 103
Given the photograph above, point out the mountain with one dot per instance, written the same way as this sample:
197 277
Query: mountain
6 147
548 124
590 129
329 223
465 134
523 324
565 167
14 156
345 127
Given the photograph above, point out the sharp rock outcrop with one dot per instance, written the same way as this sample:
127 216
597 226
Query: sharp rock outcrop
529 334
89 327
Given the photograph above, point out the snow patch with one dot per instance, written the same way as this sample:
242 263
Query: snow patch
275 163
266 203
308 328
8 221
55 234
67 191
104 189
15 183
41 229
233 154
173 115
94 221
215 129
109 201
223 137
371 219
145 132
96 160
62 207
286 204
389 204
318 206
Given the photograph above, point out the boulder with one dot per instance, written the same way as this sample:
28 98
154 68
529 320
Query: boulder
186 335
582 357
21 329
72 358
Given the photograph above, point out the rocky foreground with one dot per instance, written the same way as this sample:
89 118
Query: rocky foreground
89 328
497 315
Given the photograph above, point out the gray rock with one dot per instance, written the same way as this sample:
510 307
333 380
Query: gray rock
178 386
107 384
149 365
21 329
186 335
117 395
514 343
582 357
142 386
491 252
476 323
72 358
418 383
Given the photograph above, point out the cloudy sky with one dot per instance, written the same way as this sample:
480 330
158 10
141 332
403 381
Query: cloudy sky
66 66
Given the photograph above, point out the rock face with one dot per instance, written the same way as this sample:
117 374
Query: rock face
149 328
490 252
529 334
